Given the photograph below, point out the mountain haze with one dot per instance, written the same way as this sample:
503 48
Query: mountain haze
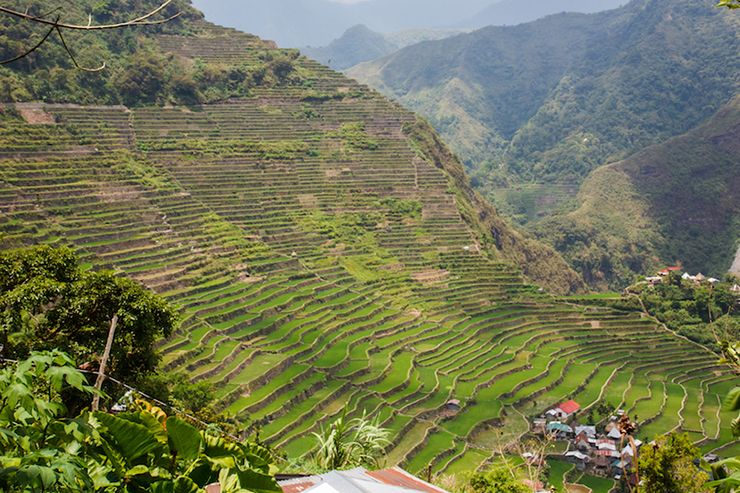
359 44
512 12
294 23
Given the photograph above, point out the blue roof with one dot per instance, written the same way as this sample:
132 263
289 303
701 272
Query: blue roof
559 427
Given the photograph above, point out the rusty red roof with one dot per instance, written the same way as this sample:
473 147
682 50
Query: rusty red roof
398 477
569 407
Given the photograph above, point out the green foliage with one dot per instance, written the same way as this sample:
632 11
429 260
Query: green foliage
499 480
701 312
143 451
409 208
50 304
350 228
354 136
350 443
668 466
730 4
39 449
135 74
142 79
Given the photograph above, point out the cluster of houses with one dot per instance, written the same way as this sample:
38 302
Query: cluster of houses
697 279
604 454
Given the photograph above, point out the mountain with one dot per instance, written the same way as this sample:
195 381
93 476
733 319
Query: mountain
359 44
533 109
294 23
674 202
323 246
512 12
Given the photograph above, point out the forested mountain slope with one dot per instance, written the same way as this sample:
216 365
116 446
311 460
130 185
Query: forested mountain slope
677 199
533 109
324 249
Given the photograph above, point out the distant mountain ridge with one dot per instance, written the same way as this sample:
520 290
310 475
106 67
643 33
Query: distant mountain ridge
511 12
295 23
360 44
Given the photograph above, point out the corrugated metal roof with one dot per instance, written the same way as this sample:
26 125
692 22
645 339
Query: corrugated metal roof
360 480
398 477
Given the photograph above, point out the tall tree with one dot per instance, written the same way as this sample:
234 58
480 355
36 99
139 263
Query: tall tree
667 466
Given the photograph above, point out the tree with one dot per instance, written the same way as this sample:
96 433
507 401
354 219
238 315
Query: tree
667 466
55 25
49 303
499 480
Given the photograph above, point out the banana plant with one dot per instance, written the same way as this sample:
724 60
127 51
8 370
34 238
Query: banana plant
150 452
42 451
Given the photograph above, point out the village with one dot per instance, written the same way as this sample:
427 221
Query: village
605 454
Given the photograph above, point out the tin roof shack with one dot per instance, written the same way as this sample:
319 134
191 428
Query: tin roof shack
560 431
577 458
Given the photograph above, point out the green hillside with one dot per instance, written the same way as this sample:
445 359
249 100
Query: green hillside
673 199
534 109
325 249
553 99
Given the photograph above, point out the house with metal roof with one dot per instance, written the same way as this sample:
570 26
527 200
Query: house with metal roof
360 480
564 410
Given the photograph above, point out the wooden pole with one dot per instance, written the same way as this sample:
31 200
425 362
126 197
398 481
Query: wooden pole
101 370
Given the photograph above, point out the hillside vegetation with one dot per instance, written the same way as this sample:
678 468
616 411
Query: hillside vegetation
534 109
674 202
325 249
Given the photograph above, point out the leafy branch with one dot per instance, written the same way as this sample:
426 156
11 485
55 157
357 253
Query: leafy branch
58 26
730 4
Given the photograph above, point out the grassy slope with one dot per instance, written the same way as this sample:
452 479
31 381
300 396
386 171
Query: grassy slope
541 264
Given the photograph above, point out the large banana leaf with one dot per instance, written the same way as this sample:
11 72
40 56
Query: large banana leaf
132 440
184 438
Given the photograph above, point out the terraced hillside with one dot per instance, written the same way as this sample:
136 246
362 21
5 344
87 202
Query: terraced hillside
324 254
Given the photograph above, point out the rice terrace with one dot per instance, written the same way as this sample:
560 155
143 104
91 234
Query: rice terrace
325 249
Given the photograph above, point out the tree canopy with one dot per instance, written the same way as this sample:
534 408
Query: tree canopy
667 466
49 303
